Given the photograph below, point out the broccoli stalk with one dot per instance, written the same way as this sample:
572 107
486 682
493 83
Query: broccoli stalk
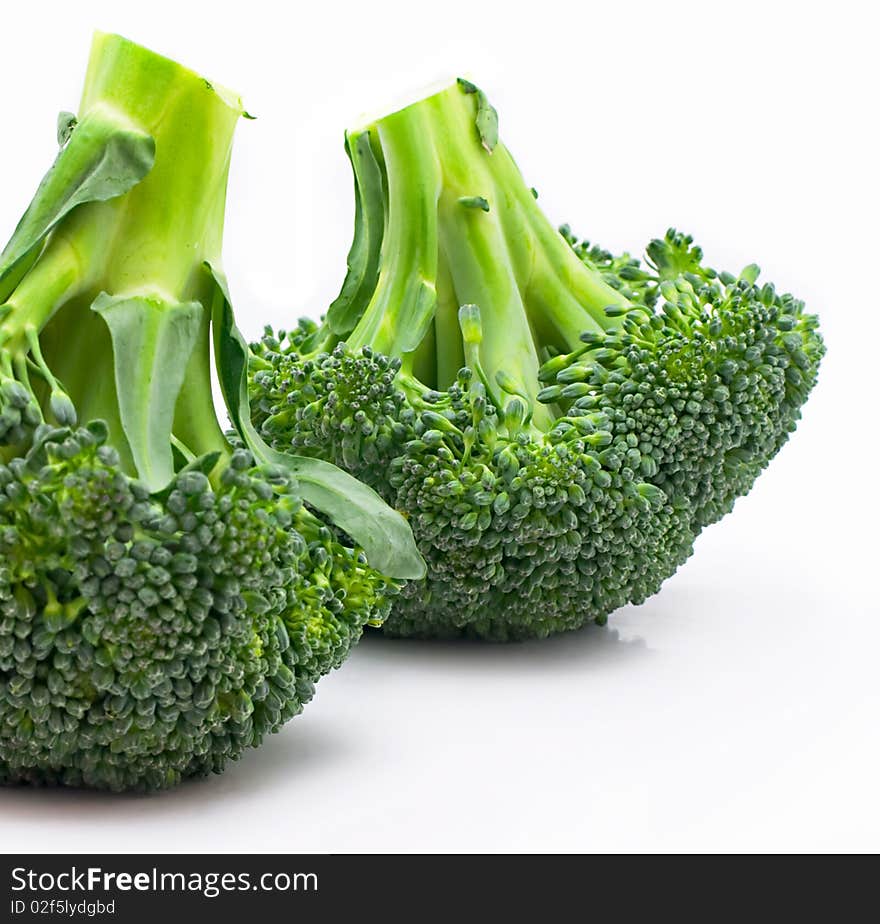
463 228
556 441
113 316
166 599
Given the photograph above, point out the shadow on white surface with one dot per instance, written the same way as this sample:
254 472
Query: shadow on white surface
304 749
587 648
307 748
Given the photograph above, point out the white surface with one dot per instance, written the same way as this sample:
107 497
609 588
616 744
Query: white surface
739 708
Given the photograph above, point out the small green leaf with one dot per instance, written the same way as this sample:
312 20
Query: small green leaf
64 127
487 123
231 356
486 119
369 227
101 160
152 345
383 534
474 202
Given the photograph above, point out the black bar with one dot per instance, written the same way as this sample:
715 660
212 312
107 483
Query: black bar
412 887
168 888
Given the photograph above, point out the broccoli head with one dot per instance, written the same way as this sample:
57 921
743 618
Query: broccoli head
557 423
167 596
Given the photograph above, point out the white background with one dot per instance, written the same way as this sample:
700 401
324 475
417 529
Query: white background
736 710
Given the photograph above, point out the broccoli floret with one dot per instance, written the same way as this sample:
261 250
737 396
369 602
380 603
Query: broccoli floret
557 423
166 598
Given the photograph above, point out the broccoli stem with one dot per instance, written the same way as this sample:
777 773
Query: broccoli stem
476 249
74 333
564 297
462 227
151 243
64 270
172 221
195 417
448 345
404 298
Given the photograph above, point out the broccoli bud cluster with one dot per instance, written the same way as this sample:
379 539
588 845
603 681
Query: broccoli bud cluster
169 595
144 640
342 402
707 389
603 413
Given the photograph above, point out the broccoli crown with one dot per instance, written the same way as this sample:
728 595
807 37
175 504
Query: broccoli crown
146 640
166 596
558 423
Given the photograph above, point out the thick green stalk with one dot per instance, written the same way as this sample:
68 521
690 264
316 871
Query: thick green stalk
564 298
475 249
182 200
150 244
172 221
403 301
461 226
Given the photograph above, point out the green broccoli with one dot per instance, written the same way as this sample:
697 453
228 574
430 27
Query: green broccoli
166 599
557 423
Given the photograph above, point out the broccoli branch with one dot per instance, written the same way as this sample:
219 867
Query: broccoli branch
451 221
